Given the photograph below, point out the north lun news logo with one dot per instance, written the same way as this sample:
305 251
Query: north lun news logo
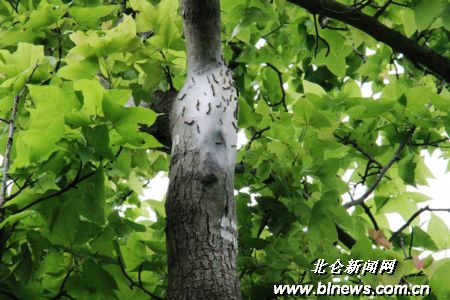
355 267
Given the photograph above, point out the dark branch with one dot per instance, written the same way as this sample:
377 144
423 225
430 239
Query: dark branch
413 217
385 6
20 190
14 5
318 37
262 225
370 215
382 173
58 63
431 143
78 178
398 42
62 292
344 237
257 135
124 272
347 141
280 80
382 9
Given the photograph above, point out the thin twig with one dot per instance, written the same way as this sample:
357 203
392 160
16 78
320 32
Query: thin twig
402 244
20 190
356 7
413 217
14 6
316 30
380 176
361 55
280 80
370 215
124 272
62 292
411 243
58 63
273 31
385 6
262 225
256 135
382 9
347 141
71 185
9 144
432 144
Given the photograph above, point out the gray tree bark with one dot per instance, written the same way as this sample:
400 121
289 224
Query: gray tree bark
201 216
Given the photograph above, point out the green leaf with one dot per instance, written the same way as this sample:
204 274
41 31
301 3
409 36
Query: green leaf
313 88
407 170
98 138
439 231
13 219
32 146
423 240
426 11
90 17
408 20
92 96
127 120
439 281
86 68
44 15
321 227
247 117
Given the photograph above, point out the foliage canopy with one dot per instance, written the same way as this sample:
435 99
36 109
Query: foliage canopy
79 161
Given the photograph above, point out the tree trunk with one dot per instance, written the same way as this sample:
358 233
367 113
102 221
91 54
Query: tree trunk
200 209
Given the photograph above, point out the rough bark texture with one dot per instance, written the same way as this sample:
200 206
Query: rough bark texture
417 53
200 209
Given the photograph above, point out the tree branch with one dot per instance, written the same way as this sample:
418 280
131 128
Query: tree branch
370 215
78 178
431 143
257 135
398 42
62 292
280 80
382 9
347 141
318 37
20 190
413 217
9 144
380 176
124 272
344 237
14 6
